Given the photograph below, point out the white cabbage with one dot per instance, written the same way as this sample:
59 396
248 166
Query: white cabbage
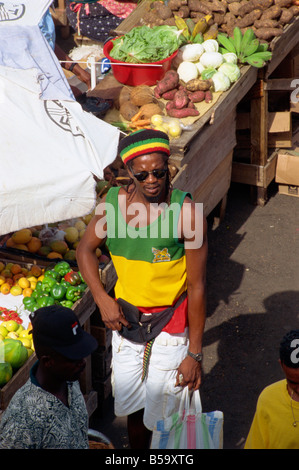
187 71
192 52
211 60
221 81
230 57
210 45
232 71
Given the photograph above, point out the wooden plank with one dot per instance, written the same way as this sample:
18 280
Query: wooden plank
259 127
278 84
282 45
255 175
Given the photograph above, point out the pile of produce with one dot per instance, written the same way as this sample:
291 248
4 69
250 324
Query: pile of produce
18 280
60 285
267 18
16 346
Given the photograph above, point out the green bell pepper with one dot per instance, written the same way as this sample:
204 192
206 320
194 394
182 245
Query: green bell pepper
53 274
48 283
73 293
45 301
62 267
58 292
67 303
30 304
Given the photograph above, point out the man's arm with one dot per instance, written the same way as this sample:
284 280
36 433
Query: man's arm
88 264
195 237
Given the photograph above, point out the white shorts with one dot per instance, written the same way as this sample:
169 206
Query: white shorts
157 394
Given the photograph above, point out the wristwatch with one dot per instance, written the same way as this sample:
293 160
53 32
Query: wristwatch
197 357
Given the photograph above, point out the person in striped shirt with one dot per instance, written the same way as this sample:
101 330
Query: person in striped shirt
157 239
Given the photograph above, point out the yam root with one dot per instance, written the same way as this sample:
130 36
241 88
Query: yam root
283 3
198 85
169 95
180 99
141 95
182 113
200 6
128 110
196 96
265 24
249 19
171 80
272 13
161 10
174 4
268 33
286 16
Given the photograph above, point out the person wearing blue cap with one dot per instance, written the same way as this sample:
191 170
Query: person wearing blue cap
49 411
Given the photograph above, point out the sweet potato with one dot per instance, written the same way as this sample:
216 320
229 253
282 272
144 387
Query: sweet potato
181 113
169 95
208 96
170 81
196 96
180 99
197 84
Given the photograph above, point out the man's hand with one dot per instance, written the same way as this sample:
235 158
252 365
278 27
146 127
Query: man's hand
189 372
112 315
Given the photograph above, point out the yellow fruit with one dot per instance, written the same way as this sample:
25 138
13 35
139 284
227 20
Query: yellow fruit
12 335
16 290
30 351
71 234
11 325
25 334
5 288
59 246
32 285
80 225
161 128
10 243
157 120
26 342
23 282
2 280
20 329
22 236
174 129
3 331
21 246
41 277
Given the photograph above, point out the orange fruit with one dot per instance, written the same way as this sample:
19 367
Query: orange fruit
16 269
18 276
10 243
5 288
34 245
36 270
21 246
27 292
54 254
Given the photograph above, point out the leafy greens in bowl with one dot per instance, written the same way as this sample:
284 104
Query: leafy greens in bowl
145 45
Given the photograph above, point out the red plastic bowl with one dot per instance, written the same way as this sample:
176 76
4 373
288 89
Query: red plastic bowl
133 74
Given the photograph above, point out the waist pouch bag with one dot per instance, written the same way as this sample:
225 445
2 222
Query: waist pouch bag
145 327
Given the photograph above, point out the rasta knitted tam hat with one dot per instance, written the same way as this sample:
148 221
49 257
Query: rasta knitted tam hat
143 142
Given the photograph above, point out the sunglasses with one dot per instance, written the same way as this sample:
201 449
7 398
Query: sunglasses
143 175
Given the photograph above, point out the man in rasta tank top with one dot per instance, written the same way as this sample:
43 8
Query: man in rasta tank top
157 239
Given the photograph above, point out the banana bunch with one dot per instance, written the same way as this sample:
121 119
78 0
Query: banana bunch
246 47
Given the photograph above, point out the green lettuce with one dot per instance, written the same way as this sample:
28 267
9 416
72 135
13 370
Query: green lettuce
145 45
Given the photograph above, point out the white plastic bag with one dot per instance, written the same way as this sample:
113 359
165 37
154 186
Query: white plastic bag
189 428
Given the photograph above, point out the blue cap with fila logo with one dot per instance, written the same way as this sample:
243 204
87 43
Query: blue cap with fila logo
58 328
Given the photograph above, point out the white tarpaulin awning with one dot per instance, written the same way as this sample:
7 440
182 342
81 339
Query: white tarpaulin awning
50 147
